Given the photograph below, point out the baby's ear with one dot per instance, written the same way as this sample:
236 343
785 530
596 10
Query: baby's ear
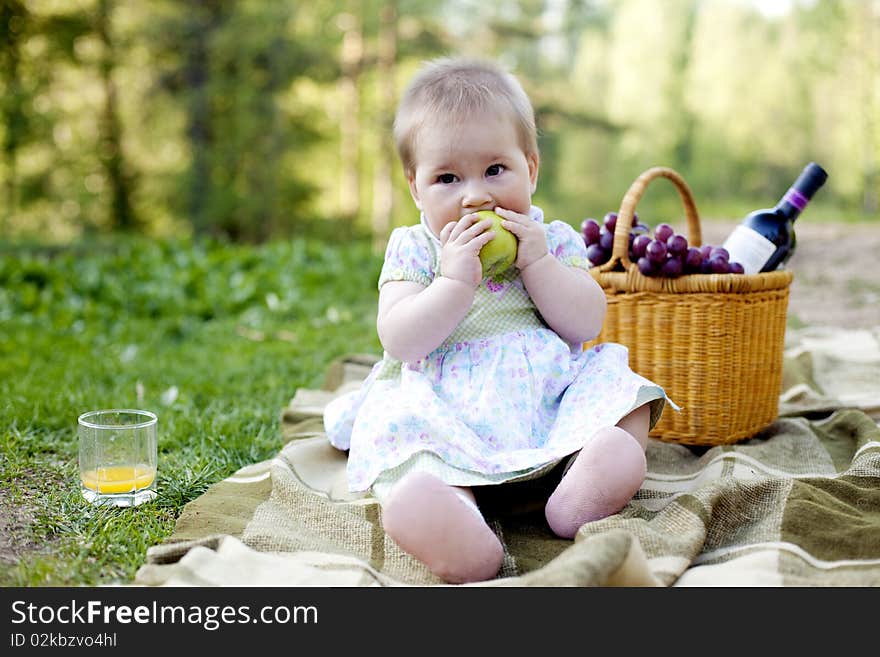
534 162
411 181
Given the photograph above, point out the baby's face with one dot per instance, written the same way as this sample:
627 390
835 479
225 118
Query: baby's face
471 166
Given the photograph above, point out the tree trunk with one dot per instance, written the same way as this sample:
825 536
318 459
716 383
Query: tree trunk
122 214
349 152
870 110
383 182
275 146
683 144
204 19
12 17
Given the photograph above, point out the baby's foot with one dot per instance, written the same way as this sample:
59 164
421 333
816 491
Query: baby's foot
431 521
603 478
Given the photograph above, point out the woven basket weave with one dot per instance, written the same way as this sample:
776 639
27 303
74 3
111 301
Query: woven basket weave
713 341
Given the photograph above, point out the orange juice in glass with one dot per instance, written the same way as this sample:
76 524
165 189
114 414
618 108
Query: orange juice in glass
118 456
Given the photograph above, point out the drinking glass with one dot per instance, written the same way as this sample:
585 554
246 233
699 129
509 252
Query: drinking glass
118 456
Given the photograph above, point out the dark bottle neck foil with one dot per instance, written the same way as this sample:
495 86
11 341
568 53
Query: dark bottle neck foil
811 179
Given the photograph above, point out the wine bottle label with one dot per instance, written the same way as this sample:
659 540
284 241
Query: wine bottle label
749 248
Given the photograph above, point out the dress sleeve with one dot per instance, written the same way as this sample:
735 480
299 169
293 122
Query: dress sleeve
408 257
566 245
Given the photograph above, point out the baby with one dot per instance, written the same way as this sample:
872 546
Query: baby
484 381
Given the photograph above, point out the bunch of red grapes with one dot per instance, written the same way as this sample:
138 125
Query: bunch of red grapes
666 254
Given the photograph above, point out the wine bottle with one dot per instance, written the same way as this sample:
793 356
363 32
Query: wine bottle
765 239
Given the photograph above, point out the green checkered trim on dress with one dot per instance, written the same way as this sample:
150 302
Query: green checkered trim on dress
500 306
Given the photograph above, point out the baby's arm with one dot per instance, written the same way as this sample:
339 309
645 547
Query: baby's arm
571 302
413 320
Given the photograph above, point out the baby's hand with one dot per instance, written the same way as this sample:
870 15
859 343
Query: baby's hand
461 242
532 241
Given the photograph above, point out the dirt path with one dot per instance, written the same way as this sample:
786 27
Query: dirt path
836 273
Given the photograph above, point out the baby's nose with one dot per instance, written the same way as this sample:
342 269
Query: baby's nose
475 195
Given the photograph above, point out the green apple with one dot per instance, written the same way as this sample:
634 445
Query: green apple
499 252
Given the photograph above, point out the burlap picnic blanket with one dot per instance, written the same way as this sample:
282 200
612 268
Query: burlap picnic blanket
796 505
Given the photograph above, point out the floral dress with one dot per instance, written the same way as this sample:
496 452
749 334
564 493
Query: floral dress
504 398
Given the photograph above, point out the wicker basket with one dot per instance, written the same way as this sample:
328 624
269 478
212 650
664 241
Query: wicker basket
713 341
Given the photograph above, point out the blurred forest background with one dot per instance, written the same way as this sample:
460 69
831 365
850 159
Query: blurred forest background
253 120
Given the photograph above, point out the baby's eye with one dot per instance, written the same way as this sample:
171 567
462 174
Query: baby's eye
446 178
495 170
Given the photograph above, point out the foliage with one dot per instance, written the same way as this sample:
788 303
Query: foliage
202 279
214 337
240 119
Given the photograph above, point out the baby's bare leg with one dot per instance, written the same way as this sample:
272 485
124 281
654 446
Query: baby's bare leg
636 424
603 478
441 526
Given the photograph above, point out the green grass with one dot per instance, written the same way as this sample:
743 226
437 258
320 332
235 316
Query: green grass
214 338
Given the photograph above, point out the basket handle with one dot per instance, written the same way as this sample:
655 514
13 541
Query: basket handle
620 249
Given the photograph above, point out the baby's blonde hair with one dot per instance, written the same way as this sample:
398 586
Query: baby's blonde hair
451 89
